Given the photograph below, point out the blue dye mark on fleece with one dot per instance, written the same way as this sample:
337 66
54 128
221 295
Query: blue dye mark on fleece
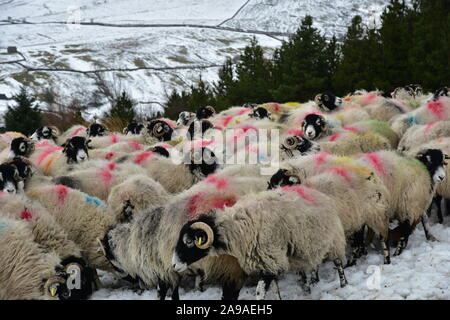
262 157
3 227
412 120
94 200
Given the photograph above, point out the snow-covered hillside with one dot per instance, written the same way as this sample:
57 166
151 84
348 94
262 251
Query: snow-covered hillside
152 47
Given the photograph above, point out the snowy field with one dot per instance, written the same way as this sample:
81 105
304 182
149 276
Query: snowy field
53 47
420 272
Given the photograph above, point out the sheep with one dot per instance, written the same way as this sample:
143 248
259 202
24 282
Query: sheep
77 130
133 128
200 198
441 92
417 134
342 144
327 101
205 112
46 133
407 92
102 142
99 177
27 271
50 158
7 137
9 178
18 147
135 194
358 193
185 118
49 235
96 130
266 224
412 183
74 210
432 111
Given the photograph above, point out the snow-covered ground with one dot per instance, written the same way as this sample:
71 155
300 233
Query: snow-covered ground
420 272
52 44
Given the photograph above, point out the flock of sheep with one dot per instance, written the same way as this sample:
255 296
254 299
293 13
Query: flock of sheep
163 201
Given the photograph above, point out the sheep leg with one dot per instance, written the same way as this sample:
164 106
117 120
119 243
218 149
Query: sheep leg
340 270
264 285
162 290
304 283
175 293
386 250
358 247
97 282
199 280
426 228
230 291
314 277
438 200
276 288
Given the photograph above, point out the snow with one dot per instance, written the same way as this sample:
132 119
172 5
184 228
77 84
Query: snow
420 272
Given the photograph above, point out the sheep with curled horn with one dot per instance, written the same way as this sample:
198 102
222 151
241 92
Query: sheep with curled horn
205 112
18 147
28 271
46 133
232 231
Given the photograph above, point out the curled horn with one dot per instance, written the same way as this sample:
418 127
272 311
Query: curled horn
209 233
291 142
158 130
55 131
210 109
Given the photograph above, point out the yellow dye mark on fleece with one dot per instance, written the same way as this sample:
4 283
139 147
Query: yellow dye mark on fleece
340 116
292 104
49 163
359 169
173 143
344 160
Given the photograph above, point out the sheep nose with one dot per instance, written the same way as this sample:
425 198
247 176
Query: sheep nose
11 190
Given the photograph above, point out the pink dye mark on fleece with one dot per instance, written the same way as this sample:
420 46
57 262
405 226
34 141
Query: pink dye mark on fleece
114 138
109 155
26 215
135 145
193 204
342 173
301 191
62 192
106 176
353 129
320 159
296 132
368 99
437 109
112 166
219 183
77 131
141 157
46 153
244 110
226 121
376 162
201 143
43 144
428 127
221 203
334 137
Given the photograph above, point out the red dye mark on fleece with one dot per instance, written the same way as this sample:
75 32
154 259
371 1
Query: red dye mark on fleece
221 203
26 215
295 132
218 127
437 109
62 192
46 153
353 129
77 131
109 155
106 176
135 145
368 99
226 121
141 157
428 127
244 110
342 173
193 204
320 158
114 138
334 137
301 191
112 166
376 162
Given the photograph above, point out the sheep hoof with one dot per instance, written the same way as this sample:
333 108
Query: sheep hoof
432 238
387 260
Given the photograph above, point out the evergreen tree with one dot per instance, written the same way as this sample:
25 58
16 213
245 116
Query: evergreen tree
25 117
176 102
123 108
201 95
300 65
224 88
